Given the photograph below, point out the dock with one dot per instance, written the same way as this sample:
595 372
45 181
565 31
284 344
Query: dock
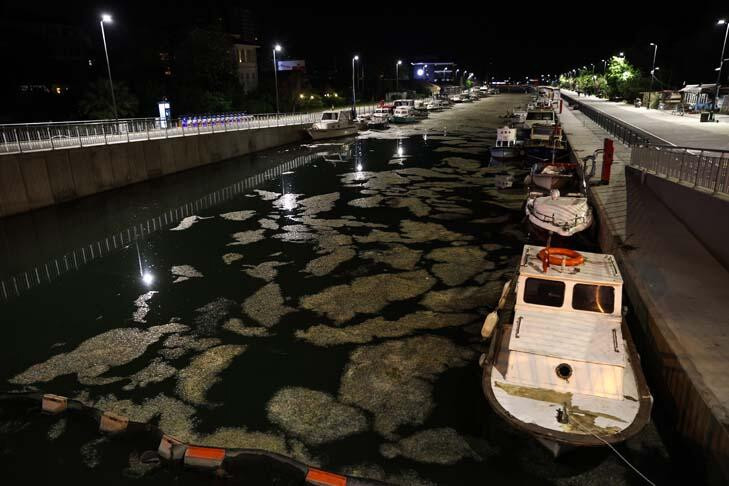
675 273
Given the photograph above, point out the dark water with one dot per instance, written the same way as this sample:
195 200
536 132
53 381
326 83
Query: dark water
320 302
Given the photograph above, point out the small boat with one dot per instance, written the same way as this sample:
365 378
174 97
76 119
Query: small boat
404 114
506 144
434 105
333 123
551 175
456 98
562 365
380 119
540 116
556 214
546 143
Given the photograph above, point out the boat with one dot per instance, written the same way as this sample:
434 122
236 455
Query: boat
455 98
507 146
380 119
435 104
551 175
562 365
555 214
546 143
404 114
333 123
540 116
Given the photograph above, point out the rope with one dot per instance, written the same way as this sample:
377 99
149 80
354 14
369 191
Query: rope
616 452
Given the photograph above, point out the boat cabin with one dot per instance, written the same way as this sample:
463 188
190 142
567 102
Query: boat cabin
403 111
332 119
404 102
566 334
505 137
541 117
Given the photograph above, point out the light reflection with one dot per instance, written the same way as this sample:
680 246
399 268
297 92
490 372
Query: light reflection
147 278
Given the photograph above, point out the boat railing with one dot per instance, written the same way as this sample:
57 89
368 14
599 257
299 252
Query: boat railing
706 169
38 137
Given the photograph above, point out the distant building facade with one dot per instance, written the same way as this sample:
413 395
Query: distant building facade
246 58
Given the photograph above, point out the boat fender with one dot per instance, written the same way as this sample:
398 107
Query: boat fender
112 423
482 360
317 477
554 194
54 404
171 448
206 457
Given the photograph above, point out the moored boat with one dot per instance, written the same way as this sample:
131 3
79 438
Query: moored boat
564 216
506 144
333 123
380 119
548 175
404 114
564 369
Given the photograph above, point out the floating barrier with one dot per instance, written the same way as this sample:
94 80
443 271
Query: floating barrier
171 451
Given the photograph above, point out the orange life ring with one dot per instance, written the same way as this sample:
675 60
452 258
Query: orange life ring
571 258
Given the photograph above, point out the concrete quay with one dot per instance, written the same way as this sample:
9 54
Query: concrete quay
37 179
679 291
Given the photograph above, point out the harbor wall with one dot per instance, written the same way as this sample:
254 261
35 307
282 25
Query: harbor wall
34 180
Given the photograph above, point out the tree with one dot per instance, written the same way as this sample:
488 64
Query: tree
623 79
96 102
205 78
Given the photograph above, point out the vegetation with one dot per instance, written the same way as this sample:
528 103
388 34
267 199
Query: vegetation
621 80
96 102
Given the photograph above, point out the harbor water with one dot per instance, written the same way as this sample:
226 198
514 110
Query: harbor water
321 301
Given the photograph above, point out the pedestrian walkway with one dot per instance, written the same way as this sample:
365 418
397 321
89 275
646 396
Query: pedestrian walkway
682 131
680 302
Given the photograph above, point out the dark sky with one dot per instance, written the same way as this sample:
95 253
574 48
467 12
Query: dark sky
502 39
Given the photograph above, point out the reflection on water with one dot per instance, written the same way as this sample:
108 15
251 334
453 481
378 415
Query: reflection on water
331 313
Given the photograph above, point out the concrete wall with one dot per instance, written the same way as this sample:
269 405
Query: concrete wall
706 216
35 180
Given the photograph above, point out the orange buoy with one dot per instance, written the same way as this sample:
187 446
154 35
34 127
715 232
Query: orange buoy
559 256
204 456
54 403
112 423
318 477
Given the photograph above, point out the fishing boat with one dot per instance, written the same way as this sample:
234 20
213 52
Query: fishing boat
539 116
546 143
562 366
404 114
333 123
551 175
507 146
555 214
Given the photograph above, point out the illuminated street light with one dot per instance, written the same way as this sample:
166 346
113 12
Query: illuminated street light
354 93
107 18
653 68
276 48
721 62
397 74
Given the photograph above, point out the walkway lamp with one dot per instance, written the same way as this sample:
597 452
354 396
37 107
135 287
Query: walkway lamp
354 93
721 62
107 18
397 75
653 69
276 48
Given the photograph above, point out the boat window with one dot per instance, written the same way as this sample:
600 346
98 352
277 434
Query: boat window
544 292
595 298
329 116
538 115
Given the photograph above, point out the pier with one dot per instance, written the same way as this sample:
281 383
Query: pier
667 222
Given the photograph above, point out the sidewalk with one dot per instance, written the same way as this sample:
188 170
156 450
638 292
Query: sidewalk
685 131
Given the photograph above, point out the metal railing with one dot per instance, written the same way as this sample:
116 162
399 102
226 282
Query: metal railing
702 168
626 133
34 137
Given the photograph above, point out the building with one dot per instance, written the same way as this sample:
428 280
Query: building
434 72
246 58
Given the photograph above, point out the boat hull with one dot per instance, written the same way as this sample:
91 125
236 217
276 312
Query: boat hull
317 134
504 153
404 119
556 441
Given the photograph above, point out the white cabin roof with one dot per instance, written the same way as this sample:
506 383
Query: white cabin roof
598 268
575 336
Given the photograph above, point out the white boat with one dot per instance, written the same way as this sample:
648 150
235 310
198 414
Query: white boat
506 144
564 369
333 123
455 98
404 114
556 214
551 175
380 119
540 117
434 105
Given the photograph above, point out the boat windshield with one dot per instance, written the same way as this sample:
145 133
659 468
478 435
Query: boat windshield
595 298
330 115
544 292
540 115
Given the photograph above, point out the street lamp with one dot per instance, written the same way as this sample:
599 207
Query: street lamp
653 68
354 93
276 48
604 65
107 18
397 75
721 62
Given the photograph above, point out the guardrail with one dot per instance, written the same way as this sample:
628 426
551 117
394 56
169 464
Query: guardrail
34 137
702 168
626 133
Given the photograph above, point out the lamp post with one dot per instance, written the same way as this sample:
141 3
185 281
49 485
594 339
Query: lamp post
721 63
354 93
397 75
276 48
653 69
107 18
